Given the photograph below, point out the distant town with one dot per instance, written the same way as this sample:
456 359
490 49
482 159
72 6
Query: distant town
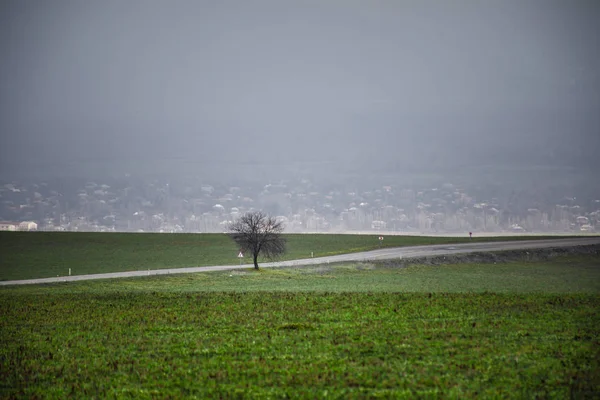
132 204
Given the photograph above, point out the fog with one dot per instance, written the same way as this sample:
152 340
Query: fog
100 87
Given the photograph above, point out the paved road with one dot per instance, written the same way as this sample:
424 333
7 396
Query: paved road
382 254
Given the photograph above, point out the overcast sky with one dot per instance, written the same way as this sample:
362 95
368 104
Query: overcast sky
300 80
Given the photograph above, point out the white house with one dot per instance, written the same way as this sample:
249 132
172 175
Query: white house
28 226
8 226
378 225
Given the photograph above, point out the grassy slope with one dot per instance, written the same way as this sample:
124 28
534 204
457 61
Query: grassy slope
42 254
314 332
563 274
311 345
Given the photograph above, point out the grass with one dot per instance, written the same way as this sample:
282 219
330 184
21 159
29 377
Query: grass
299 345
27 255
524 329
563 274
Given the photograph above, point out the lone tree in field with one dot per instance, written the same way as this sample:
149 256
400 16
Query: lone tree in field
258 233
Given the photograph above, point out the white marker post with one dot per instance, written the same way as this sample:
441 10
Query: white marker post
69 271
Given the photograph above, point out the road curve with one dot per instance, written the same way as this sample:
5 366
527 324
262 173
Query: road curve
381 254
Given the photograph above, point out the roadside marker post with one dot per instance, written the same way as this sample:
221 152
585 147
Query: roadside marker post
69 271
240 256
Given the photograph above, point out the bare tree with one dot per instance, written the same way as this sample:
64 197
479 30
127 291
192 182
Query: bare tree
258 233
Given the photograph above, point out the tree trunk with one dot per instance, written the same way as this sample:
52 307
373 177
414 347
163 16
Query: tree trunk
255 260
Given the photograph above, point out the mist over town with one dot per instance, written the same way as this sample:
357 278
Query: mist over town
430 205
337 116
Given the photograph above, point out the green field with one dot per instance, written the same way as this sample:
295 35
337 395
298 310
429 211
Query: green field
27 255
519 330
572 274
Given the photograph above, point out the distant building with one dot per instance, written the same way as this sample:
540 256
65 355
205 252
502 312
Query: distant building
28 226
8 226
377 225
18 226
517 228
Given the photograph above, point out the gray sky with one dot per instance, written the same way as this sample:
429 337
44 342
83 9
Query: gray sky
325 79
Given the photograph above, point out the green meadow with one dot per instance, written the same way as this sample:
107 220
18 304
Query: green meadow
28 255
522 329
563 274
